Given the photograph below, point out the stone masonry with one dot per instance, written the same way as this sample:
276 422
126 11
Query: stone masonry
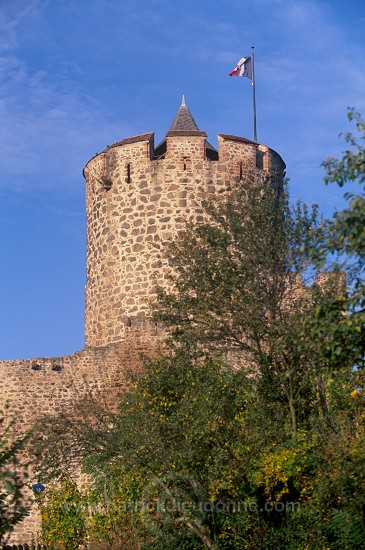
138 197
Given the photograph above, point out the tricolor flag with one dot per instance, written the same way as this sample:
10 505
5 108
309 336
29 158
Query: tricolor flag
244 68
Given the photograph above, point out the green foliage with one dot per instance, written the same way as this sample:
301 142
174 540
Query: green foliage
239 285
340 339
235 273
176 434
13 506
350 168
350 529
114 515
83 431
62 516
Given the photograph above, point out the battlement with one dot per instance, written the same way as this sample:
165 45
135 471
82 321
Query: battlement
188 145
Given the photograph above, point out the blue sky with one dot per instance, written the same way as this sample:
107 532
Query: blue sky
76 76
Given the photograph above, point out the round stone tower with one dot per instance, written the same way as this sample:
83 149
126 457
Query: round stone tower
137 198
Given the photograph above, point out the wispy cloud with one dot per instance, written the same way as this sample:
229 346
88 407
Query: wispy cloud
12 13
51 124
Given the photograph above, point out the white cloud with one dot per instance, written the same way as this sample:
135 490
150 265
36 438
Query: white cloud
12 13
50 126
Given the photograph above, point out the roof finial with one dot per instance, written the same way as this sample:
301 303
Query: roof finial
183 104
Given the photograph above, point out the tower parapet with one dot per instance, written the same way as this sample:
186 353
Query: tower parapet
139 197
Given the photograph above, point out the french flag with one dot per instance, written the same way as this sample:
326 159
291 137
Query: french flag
243 68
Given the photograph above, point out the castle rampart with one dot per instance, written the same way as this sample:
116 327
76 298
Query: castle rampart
36 387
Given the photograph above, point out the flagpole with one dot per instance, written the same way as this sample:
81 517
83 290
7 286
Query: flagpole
254 95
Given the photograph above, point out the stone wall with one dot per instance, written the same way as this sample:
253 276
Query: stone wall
136 203
39 386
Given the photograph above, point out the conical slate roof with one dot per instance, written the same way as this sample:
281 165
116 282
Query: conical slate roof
184 120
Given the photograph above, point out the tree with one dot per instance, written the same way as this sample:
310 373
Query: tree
240 285
13 505
345 239
346 230
63 516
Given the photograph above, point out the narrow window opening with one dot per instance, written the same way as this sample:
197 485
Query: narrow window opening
186 162
241 170
128 173
259 159
57 368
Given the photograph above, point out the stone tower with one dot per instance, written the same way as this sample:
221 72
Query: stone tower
139 196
